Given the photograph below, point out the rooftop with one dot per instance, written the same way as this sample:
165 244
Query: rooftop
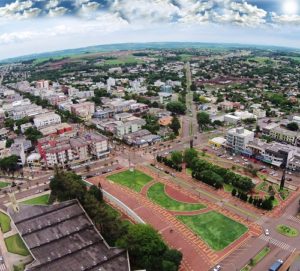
62 237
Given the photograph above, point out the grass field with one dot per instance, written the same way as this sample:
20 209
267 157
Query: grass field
217 230
135 179
4 184
287 230
41 200
157 194
122 60
4 222
16 245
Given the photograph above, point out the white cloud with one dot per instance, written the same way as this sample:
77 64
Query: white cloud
52 4
145 11
17 6
285 19
19 10
57 11
13 37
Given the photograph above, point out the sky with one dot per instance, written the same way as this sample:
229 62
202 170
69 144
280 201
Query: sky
36 26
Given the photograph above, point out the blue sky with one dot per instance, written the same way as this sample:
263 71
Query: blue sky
34 26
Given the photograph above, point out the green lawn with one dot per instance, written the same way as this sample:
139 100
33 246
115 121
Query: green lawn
157 194
4 222
263 186
256 259
135 179
122 60
16 245
287 230
188 171
284 193
41 200
4 184
217 230
259 256
228 187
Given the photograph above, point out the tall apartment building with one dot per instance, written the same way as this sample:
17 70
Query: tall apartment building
238 138
64 150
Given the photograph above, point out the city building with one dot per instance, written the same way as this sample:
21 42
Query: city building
46 119
42 84
273 153
83 110
237 139
280 134
231 119
259 113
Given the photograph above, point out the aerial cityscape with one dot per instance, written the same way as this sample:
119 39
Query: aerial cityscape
154 135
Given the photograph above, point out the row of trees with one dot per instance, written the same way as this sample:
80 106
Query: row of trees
145 246
169 162
224 175
266 204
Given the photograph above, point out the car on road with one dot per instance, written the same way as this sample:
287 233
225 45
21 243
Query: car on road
1 259
267 233
275 266
50 178
217 268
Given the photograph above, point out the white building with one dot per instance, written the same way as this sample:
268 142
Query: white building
46 119
238 138
231 119
259 113
244 115
296 119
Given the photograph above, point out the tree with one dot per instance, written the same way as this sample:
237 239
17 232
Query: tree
9 142
176 157
203 120
292 126
9 164
96 192
189 155
147 249
233 192
33 134
176 107
175 125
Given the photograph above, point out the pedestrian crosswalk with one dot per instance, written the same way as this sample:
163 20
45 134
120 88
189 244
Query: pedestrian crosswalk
277 243
3 267
262 220
293 218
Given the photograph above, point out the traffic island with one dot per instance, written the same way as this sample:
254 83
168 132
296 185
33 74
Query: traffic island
287 230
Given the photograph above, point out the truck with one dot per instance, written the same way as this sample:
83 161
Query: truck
275 266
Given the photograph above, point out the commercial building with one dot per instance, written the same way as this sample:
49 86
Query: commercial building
280 134
274 153
46 119
238 138
62 237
